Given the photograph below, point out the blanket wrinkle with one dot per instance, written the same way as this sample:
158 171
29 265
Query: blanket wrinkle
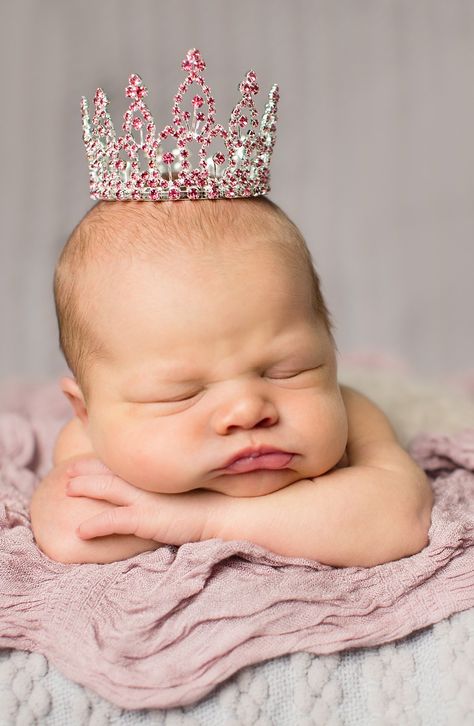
436 452
163 628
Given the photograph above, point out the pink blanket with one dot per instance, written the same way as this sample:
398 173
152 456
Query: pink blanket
163 628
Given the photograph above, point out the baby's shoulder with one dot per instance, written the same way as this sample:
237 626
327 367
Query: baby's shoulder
72 440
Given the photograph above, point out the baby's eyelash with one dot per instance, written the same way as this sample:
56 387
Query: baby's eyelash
175 400
293 375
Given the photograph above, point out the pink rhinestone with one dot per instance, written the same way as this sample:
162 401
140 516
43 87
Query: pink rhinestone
200 116
150 128
219 158
134 80
193 193
154 194
212 193
198 101
168 158
137 123
174 193
184 153
193 61
131 91
186 115
242 121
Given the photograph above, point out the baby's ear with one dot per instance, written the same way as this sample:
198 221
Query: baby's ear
76 398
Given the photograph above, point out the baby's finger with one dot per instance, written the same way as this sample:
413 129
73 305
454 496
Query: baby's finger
120 520
83 467
107 486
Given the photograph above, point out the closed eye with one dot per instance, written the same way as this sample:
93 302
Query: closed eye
294 375
167 400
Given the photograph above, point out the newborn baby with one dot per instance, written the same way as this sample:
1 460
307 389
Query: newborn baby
206 397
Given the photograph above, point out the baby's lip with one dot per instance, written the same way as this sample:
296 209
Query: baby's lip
259 457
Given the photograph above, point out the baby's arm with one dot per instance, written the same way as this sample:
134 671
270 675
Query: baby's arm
55 516
375 510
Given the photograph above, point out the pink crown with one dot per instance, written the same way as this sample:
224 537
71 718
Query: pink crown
136 166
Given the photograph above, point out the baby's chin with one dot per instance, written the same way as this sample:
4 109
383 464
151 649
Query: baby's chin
255 483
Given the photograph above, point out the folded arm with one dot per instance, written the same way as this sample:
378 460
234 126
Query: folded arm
375 510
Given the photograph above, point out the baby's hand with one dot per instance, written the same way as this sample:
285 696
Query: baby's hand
168 518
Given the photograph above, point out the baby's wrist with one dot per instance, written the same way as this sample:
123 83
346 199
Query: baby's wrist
214 511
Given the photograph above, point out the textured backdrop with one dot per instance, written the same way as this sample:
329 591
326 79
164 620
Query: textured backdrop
374 157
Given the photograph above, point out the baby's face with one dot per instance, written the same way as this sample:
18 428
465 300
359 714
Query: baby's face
211 357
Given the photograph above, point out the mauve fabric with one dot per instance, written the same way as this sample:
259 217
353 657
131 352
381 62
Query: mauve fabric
163 628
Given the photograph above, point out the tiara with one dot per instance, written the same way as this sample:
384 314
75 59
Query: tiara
136 165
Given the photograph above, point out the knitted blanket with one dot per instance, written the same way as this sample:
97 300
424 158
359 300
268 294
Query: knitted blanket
163 628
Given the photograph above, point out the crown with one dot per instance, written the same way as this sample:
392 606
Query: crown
136 165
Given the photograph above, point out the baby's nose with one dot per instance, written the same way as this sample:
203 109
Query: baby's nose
246 411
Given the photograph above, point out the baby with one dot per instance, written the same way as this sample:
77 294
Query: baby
206 397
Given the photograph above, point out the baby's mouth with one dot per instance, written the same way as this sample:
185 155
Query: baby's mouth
252 460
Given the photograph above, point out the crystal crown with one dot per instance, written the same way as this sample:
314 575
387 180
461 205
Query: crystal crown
136 166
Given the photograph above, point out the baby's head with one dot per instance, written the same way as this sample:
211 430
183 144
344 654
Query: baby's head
195 330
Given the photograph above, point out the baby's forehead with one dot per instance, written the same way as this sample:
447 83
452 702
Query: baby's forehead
123 229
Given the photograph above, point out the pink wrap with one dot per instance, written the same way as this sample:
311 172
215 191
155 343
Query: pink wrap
163 628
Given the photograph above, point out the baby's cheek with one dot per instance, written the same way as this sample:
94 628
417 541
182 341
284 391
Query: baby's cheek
325 427
142 457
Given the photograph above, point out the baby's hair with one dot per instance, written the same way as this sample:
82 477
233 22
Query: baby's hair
152 230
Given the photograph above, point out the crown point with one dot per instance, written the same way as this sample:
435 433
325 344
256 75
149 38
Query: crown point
135 88
193 61
249 84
